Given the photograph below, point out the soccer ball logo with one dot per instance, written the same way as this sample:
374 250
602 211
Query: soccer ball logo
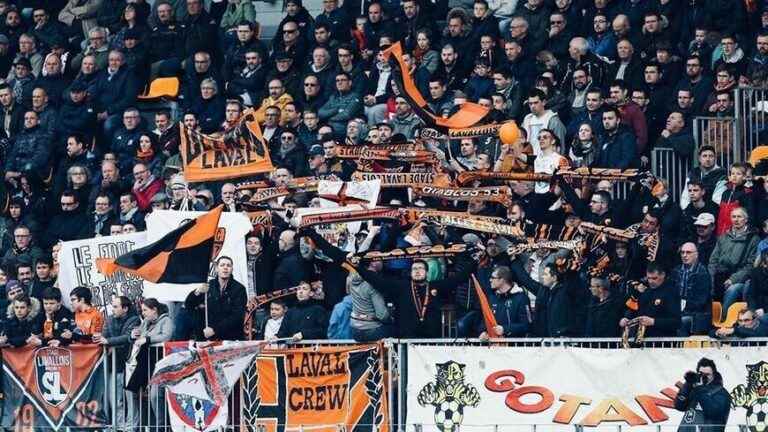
754 397
449 394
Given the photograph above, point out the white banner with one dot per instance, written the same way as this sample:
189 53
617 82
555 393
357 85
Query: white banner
77 267
237 225
477 388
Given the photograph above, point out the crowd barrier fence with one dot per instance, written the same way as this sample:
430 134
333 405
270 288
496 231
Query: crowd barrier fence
152 414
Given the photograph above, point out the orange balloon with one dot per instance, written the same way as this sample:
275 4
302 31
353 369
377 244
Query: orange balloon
509 133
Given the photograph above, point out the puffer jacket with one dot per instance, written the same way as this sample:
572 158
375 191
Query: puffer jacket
339 109
19 330
729 257
29 151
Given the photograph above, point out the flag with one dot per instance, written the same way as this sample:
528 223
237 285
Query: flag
490 320
207 373
181 256
239 152
468 115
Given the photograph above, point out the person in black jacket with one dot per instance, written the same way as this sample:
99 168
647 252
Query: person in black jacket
57 322
418 300
556 311
307 319
510 304
704 400
23 324
657 305
604 311
289 269
113 91
221 317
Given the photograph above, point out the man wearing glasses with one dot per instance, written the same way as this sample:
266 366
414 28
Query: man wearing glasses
343 105
71 223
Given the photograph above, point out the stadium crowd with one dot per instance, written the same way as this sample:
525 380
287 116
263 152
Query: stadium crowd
591 83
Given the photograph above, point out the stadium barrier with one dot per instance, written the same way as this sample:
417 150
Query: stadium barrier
515 385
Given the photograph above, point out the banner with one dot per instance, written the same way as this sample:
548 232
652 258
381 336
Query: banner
236 226
77 267
54 388
476 388
319 389
187 413
334 194
240 152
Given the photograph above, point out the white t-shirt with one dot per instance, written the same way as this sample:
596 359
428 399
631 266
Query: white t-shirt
547 164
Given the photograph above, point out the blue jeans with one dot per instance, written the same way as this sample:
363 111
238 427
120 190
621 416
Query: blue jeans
735 293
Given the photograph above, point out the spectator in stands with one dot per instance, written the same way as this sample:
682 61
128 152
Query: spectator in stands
22 247
694 283
88 319
631 115
277 311
11 113
30 151
677 136
658 305
733 257
71 223
117 334
604 311
103 216
747 326
218 308
56 322
342 105
699 204
43 279
113 92
209 107
617 146
97 47
23 323
541 118
307 319
510 304
757 69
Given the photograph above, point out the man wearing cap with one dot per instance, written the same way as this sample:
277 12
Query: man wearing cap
160 201
316 161
699 204
405 121
76 114
22 81
136 57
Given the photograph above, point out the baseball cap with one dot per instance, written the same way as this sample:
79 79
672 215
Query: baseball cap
316 150
282 55
704 219
77 87
23 61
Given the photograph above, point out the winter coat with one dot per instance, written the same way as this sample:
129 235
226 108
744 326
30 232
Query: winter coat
19 330
29 151
118 334
729 257
712 399
616 150
116 94
83 11
157 331
80 118
339 109
663 305
307 318
512 311
290 269
226 310
406 125
603 317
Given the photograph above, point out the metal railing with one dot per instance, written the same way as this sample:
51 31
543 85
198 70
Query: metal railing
147 409
666 164
720 133
751 112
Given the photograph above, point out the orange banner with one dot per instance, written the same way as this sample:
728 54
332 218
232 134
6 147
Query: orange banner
239 152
